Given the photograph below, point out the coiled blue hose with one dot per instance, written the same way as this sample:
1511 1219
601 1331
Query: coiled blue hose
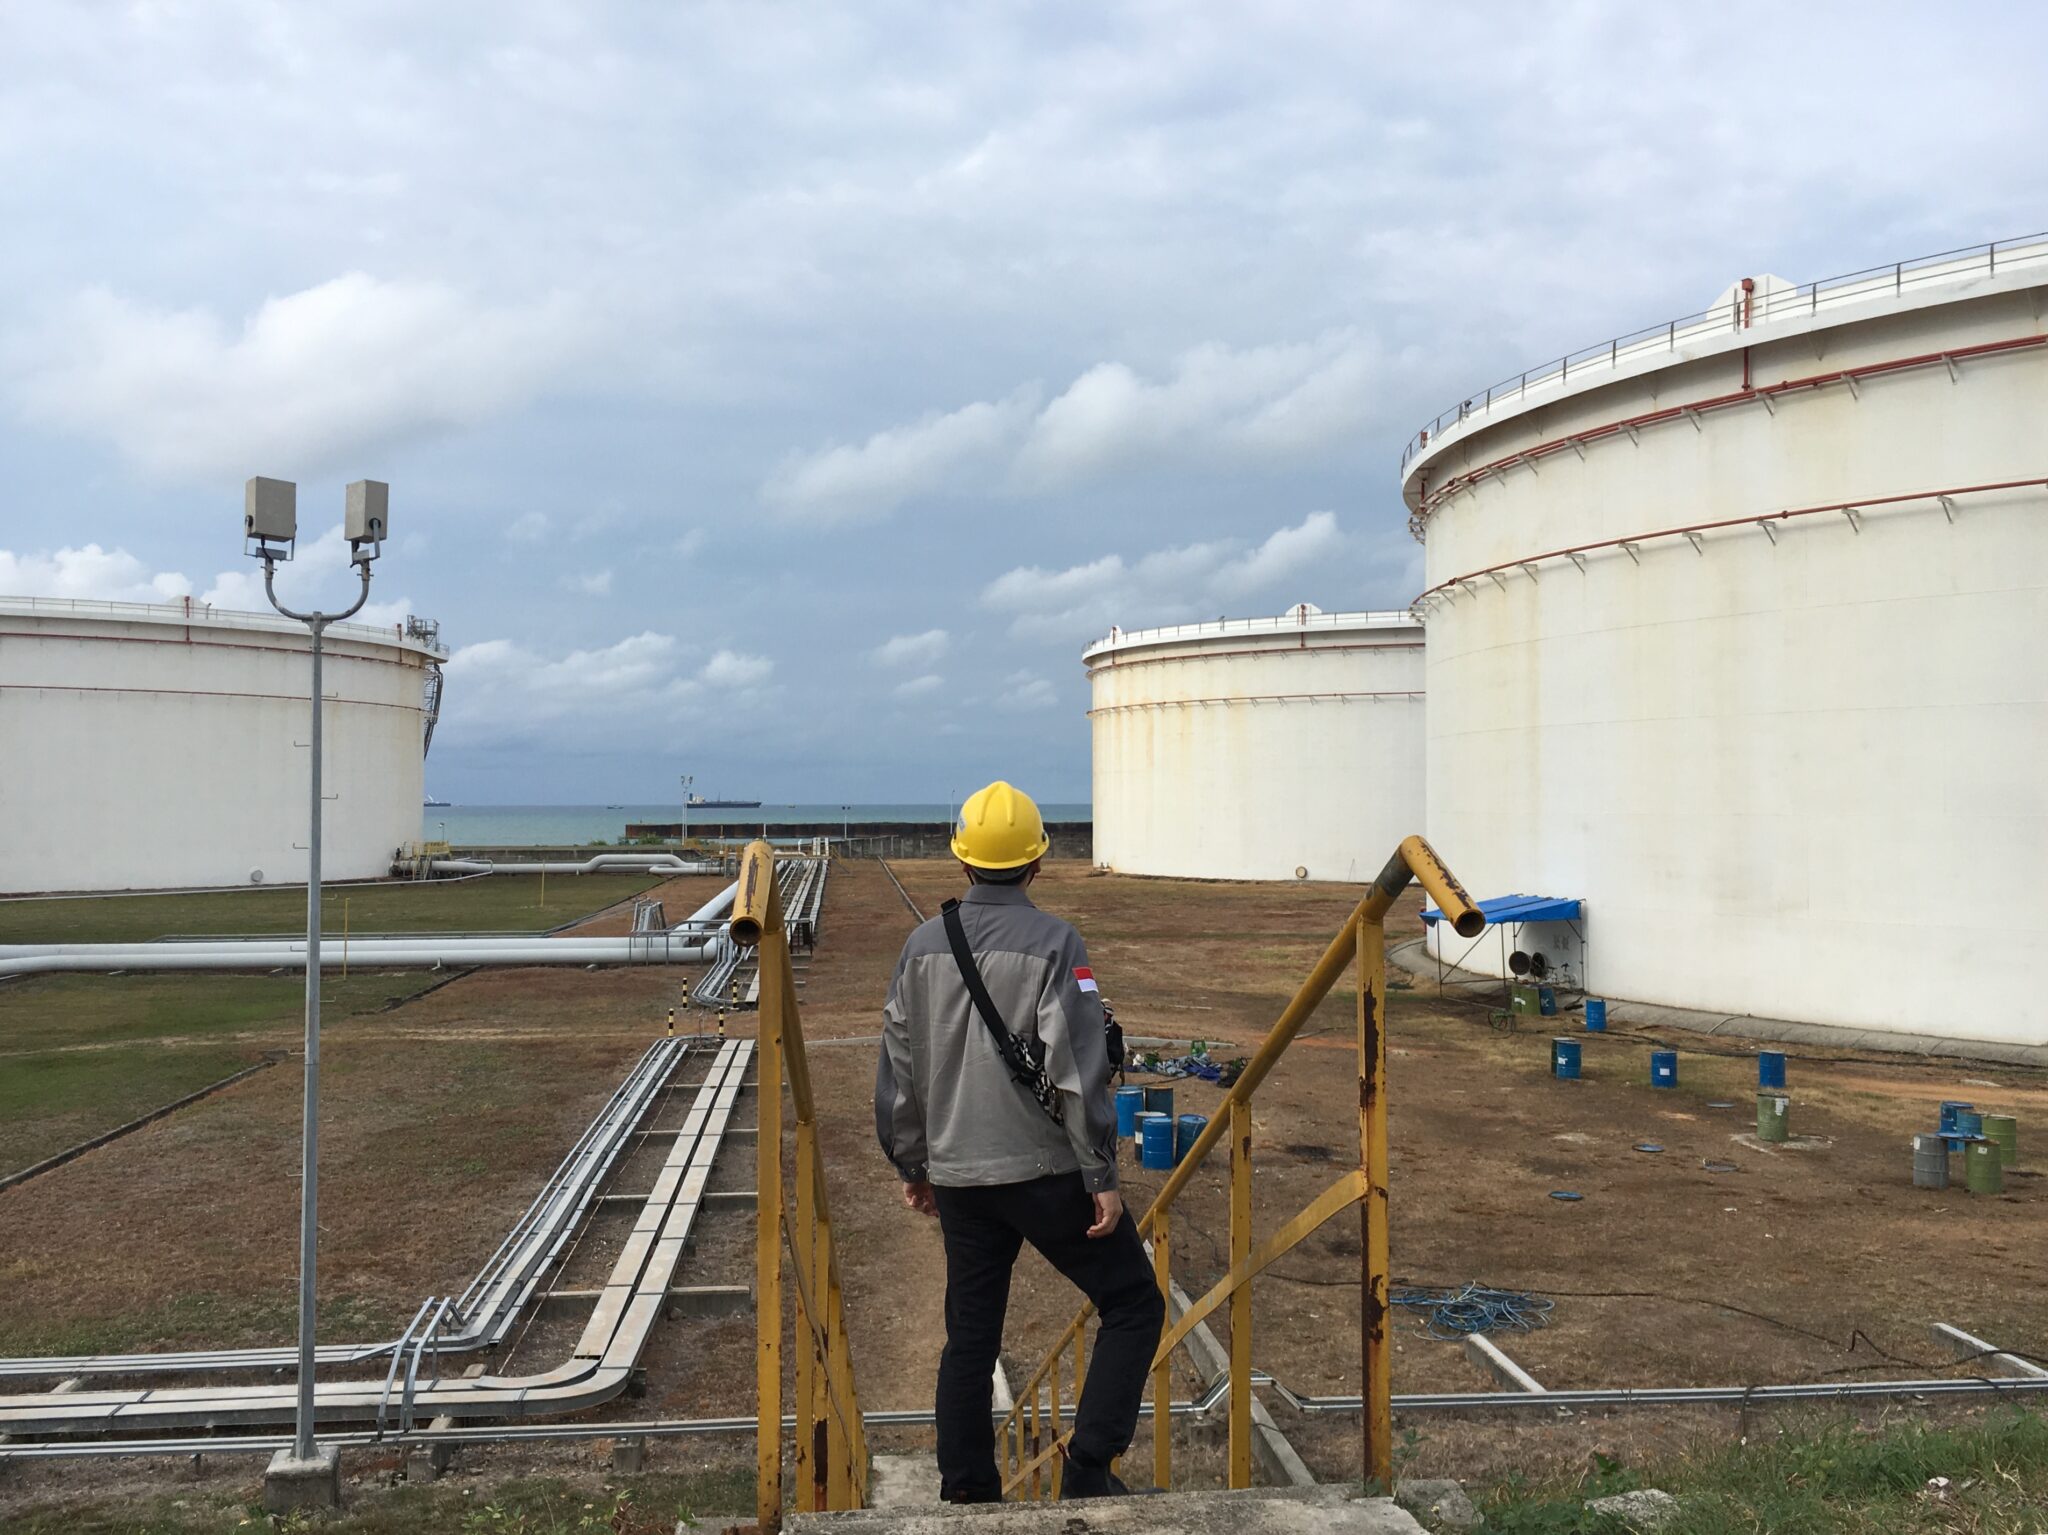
1448 1315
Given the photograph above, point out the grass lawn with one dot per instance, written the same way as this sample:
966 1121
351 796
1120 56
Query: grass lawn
1809 1476
1824 1477
501 903
80 1054
542 1505
53 1099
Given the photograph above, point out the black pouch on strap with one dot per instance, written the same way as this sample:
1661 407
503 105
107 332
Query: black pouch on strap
1026 1062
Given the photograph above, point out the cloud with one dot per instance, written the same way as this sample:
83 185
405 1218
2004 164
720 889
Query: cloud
1025 691
917 687
850 482
500 689
630 665
307 381
1165 586
912 649
528 528
1214 403
89 573
734 669
598 583
318 577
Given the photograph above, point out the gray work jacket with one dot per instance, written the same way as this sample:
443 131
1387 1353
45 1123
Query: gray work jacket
946 1108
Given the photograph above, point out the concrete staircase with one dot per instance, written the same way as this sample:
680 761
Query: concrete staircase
1259 1511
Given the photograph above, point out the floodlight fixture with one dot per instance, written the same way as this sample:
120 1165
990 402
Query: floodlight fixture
366 519
270 525
270 517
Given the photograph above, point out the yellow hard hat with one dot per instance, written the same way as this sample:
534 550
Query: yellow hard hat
1000 828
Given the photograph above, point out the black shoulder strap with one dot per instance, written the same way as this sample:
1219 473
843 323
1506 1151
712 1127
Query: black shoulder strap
1027 1071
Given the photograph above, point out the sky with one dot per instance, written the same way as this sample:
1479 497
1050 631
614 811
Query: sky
788 394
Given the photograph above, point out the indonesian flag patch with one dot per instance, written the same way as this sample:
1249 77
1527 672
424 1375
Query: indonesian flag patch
1084 978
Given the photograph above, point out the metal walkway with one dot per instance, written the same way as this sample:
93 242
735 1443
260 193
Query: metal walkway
598 1368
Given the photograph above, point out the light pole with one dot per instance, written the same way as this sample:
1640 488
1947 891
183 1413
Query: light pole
270 525
683 830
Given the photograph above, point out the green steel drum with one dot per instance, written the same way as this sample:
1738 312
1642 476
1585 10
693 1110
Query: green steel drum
2005 1130
1773 1115
1983 1171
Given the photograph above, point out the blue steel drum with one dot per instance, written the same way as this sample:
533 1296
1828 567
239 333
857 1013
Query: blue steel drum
1596 1015
1969 1123
1155 1141
1188 1130
1546 1001
1770 1068
1564 1059
1950 1107
1159 1100
1129 1100
1663 1068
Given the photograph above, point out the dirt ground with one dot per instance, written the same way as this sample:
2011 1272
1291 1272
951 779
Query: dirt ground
1813 1261
1818 1261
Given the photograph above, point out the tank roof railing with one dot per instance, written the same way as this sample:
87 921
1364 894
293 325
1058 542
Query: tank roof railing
1284 623
1801 299
189 610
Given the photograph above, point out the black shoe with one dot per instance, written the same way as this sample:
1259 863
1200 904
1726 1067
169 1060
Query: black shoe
1081 1480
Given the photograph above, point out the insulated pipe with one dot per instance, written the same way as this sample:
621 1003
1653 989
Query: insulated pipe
599 1368
912 1417
597 863
425 951
501 1287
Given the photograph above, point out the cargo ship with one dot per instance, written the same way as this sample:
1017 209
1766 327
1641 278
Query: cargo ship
699 802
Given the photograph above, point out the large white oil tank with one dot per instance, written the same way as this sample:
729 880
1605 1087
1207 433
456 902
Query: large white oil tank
1738 629
1262 748
155 746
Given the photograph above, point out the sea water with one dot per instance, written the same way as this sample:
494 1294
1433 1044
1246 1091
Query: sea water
584 825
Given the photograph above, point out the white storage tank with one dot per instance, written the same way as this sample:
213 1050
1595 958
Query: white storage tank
1738 629
1263 748
147 746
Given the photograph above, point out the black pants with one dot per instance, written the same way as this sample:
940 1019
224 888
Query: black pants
984 1228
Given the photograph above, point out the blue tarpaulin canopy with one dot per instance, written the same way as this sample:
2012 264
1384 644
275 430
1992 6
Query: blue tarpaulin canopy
1504 909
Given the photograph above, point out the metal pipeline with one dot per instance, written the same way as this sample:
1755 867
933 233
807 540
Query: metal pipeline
597 863
599 1366
688 943
916 1417
484 1312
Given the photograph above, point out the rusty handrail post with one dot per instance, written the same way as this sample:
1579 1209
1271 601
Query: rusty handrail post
1375 1364
809 1468
1241 1300
1162 1368
1415 859
831 1440
755 907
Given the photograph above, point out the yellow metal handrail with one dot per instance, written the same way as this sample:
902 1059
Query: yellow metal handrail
831 1440
1028 1451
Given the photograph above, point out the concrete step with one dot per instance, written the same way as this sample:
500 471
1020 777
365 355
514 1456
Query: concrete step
1258 1511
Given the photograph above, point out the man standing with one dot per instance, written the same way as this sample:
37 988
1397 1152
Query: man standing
992 1098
